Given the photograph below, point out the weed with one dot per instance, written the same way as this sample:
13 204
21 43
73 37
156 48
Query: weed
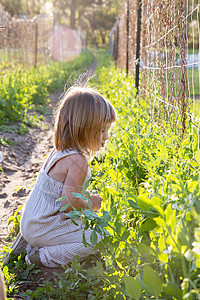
23 129
76 282
6 142
15 221
17 272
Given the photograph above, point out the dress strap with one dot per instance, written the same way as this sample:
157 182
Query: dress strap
48 158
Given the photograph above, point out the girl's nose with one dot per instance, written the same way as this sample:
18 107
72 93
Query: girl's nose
106 136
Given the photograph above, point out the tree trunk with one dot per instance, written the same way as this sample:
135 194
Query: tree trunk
73 9
103 36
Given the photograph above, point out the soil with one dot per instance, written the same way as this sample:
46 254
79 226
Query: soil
21 163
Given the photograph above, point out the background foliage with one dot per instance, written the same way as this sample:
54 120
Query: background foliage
24 91
95 17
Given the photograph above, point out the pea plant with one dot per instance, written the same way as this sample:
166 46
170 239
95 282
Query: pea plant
149 221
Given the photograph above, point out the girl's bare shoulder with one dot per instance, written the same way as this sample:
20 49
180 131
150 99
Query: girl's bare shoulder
66 164
76 159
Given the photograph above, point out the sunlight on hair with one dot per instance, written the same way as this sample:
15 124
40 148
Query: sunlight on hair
81 116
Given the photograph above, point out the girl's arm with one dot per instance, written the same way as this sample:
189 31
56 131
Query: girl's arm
77 166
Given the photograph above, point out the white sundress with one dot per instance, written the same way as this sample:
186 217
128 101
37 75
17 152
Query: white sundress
43 225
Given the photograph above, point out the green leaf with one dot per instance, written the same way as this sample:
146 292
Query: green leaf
168 213
121 230
133 287
106 216
173 220
93 238
99 268
74 222
155 202
197 234
64 207
152 281
145 250
148 225
87 194
90 214
133 204
162 153
197 260
79 196
151 214
74 214
87 184
172 290
197 156
143 202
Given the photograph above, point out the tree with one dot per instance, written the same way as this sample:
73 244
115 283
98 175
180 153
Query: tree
94 16
25 7
70 11
103 18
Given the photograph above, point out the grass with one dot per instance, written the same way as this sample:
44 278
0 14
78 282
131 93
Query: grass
23 58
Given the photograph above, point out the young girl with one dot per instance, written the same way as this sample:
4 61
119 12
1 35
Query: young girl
81 127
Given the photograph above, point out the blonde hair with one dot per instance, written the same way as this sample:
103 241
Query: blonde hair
81 116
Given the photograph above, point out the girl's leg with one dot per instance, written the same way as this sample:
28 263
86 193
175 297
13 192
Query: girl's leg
53 256
60 254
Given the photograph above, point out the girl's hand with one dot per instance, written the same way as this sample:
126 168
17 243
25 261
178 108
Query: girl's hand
95 201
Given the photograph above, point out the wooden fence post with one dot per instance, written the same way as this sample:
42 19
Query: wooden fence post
116 43
36 43
137 73
127 39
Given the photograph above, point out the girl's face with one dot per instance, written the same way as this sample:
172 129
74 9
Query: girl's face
104 135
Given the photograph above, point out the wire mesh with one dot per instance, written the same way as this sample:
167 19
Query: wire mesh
18 39
39 39
169 57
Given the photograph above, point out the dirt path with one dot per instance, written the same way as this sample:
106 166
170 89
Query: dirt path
21 163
